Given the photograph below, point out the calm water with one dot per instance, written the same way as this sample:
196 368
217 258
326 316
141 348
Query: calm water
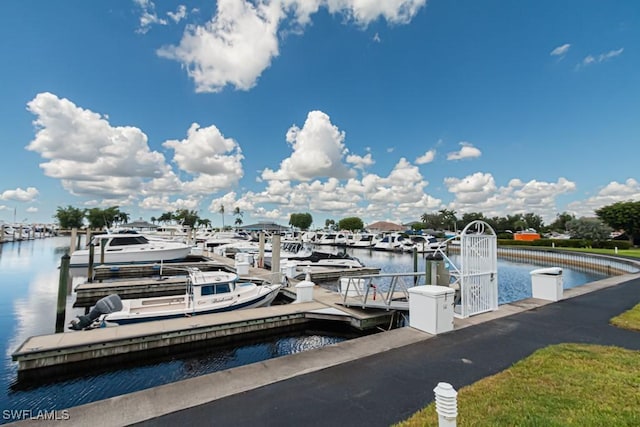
28 288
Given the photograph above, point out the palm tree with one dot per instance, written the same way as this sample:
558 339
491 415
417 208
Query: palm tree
221 211
238 214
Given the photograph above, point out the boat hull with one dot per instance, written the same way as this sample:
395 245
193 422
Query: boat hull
80 258
263 300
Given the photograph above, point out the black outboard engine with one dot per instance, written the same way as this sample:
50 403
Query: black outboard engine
105 305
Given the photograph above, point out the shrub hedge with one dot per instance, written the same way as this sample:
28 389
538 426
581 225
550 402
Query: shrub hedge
568 243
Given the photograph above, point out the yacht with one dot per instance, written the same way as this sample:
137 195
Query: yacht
421 244
390 242
335 239
364 240
129 248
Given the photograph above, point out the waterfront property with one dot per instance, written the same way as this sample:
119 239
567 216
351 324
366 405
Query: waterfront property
30 268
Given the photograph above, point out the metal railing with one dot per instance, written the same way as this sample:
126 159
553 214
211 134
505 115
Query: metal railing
387 290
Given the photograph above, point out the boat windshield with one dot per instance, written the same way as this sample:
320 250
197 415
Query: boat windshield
122 240
129 240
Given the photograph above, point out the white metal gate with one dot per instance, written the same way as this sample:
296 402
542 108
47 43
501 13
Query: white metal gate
479 269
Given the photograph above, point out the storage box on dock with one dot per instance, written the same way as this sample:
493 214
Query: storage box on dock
547 283
431 308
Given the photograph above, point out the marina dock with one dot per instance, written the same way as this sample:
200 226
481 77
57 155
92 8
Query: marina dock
57 352
155 280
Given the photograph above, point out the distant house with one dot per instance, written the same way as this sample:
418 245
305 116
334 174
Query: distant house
384 227
265 226
140 225
410 225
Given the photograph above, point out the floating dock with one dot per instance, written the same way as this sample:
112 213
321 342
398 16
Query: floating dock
109 345
129 271
156 280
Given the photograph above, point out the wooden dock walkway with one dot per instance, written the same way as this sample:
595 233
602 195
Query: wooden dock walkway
103 346
155 280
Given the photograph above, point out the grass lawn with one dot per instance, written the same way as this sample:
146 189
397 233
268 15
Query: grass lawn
560 385
634 253
630 319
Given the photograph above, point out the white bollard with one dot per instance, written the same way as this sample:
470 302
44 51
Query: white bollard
446 404
304 290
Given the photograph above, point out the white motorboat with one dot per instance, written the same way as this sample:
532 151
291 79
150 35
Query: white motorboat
421 244
225 238
129 248
364 240
206 292
390 242
8 232
325 259
335 239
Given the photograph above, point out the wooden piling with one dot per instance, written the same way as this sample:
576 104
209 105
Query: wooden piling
90 267
415 265
73 245
275 253
62 293
261 250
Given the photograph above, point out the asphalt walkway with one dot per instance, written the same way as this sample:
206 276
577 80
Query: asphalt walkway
390 386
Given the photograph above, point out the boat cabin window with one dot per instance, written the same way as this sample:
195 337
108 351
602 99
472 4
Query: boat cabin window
127 241
218 288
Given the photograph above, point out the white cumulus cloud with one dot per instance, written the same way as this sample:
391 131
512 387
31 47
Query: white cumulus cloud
20 195
216 160
479 193
468 151
242 38
115 165
318 150
427 157
607 195
87 154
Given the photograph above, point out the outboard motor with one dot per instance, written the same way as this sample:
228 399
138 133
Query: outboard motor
106 305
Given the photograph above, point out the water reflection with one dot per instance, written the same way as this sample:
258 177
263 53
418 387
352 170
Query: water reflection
83 387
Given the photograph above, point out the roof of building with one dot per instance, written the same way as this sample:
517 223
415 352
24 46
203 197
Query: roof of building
139 224
264 226
385 226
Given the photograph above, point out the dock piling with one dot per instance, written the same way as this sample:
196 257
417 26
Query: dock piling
90 268
74 244
62 293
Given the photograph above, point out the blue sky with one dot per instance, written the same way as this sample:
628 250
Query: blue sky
381 110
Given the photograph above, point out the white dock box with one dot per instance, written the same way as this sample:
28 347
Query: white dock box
546 283
431 308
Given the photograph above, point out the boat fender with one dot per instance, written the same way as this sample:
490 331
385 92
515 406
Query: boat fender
375 288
